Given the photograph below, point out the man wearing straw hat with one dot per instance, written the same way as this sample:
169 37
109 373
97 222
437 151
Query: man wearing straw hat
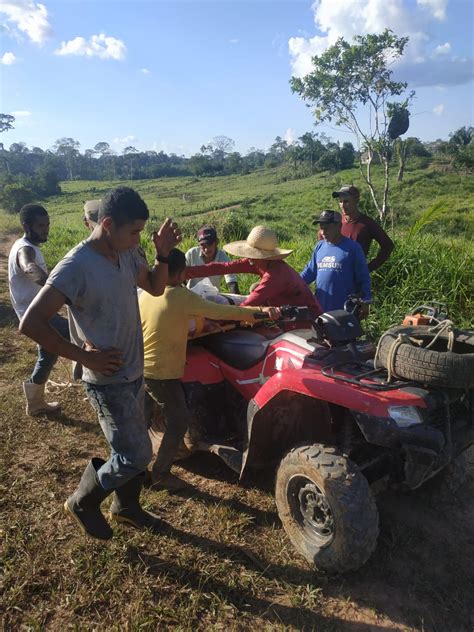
279 283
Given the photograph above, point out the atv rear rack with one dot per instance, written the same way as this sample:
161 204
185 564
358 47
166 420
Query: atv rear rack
378 377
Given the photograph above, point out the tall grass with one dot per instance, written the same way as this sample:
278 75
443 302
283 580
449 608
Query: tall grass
433 258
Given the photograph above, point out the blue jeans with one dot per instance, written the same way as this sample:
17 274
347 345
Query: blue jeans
47 360
120 408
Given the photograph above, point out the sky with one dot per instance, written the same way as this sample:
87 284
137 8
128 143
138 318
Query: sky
171 75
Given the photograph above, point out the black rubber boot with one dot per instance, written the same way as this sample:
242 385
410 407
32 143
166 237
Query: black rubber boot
84 504
125 507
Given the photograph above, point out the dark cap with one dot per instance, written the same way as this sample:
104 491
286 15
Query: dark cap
328 217
207 235
347 191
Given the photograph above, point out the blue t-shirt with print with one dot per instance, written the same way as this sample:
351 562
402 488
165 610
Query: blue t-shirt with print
338 270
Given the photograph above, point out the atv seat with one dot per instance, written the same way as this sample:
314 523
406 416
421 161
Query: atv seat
240 349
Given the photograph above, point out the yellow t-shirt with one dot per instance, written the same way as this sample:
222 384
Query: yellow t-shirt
165 322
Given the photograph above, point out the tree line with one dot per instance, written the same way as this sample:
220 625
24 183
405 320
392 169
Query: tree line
31 173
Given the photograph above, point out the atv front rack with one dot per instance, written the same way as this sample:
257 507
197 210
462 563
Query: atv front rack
375 379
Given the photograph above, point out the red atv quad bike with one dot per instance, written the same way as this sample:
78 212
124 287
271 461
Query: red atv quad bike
310 402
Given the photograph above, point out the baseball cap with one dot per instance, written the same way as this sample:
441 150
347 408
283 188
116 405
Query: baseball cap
346 191
91 210
207 235
328 217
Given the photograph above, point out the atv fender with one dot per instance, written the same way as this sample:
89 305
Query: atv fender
283 413
299 406
314 384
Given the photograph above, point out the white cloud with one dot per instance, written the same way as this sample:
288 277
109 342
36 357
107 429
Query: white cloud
145 71
234 40
436 7
125 140
8 59
438 109
302 50
420 64
442 49
290 136
28 17
21 114
170 148
101 46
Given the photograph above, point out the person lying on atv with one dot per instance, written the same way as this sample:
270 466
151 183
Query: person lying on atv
165 333
279 283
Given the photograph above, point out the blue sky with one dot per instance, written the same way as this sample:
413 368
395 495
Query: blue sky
172 75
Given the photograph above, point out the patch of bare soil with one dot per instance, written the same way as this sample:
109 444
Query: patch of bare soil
222 562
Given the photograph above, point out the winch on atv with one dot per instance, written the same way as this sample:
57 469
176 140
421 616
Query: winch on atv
312 403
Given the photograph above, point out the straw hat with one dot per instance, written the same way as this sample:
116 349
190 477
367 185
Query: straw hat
260 244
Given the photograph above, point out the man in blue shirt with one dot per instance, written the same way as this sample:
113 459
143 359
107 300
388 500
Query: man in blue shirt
338 266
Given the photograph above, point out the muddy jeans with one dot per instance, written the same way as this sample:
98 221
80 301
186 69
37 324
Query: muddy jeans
120 408
170 395
46 360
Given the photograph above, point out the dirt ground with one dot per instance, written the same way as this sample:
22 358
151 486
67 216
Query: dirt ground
224 562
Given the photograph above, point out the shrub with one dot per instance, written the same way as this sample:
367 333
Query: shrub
14 196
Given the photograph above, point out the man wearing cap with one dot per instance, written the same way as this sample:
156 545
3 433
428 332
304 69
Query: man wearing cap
279 283
91 213
337 265
208 252
362 228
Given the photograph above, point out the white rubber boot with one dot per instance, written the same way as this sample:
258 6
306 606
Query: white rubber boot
35 403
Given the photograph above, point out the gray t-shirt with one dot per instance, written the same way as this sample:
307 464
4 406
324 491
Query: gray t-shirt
103 306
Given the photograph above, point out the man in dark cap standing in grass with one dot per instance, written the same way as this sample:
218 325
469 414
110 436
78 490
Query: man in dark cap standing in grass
337 266
362 228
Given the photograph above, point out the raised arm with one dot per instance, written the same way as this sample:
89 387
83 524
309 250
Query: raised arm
154 281
238 266
35 325
27 262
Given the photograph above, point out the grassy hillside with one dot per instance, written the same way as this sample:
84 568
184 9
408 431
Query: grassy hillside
434 222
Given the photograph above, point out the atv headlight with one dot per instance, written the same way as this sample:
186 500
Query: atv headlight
405 416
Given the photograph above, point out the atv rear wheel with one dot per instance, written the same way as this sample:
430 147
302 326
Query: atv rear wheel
327 508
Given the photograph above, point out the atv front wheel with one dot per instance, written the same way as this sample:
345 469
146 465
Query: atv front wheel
327 508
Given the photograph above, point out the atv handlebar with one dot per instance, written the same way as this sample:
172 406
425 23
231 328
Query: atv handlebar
292 312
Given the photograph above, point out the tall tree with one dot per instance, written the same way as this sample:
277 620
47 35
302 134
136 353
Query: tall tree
102 148
130 152
351 84
6 122
68 149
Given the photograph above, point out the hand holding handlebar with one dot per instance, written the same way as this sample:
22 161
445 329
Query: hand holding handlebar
268 313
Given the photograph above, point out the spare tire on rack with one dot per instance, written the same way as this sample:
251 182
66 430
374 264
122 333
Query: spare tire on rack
437 366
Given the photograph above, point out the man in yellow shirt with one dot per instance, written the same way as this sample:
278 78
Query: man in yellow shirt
165 323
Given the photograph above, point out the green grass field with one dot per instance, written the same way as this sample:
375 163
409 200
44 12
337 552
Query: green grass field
433 217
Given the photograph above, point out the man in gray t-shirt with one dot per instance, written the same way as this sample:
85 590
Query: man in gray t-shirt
103 306
98 280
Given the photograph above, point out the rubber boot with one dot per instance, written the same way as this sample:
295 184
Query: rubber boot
35 403
84 504
125 507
